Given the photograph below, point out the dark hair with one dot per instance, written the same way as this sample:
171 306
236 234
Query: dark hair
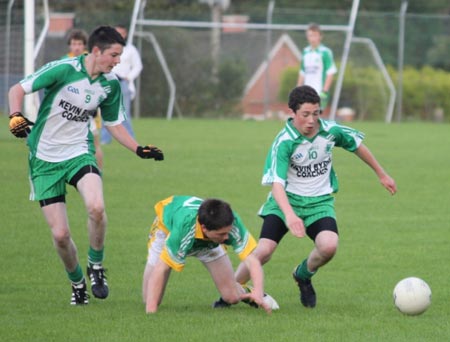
77 34
314 27
215 214
103 37
301 95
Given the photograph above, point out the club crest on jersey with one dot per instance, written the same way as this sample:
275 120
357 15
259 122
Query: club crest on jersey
74 90
297 156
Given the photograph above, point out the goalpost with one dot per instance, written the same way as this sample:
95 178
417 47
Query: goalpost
31 50
155 34
138 20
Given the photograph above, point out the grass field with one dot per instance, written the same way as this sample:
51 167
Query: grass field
383 239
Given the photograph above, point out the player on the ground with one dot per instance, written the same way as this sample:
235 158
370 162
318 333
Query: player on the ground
190 226
299 168
61 147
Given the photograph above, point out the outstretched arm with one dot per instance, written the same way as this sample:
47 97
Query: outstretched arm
294 223
120 133
364 154
156 284
257 277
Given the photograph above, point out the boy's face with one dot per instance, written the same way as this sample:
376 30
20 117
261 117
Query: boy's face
217 236
76 47
314 38
105 61
306 119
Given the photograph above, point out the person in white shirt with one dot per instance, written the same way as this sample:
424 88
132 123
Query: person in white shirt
127 71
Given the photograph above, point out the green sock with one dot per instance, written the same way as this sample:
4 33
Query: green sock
76 276
94 256
302 271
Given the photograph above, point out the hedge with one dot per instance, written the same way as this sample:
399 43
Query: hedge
426 92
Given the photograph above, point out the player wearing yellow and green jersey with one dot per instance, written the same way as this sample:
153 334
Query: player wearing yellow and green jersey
189 226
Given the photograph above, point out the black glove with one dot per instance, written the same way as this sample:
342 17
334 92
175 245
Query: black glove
149 151
19 125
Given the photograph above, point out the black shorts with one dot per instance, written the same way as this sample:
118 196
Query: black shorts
274 228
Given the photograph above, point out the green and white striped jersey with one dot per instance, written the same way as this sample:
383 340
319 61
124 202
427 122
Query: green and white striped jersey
71 99
305 166
316 64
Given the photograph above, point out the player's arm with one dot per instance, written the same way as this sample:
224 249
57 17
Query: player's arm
257 276
15 98
364 154
294 223
156 284
120 133
328 83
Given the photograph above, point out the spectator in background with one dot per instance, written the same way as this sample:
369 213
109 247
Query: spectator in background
77 41
127 71
317 67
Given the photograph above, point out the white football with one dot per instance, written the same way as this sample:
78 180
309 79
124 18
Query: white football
412 296
269 300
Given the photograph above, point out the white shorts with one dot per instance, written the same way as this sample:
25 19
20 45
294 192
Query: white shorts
156 246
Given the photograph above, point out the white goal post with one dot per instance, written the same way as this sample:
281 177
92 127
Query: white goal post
348 29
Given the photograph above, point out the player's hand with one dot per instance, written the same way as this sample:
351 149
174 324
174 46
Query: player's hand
19 125
252 297
296 226
149 151
389 184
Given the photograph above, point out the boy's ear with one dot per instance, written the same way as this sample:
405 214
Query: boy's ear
96 51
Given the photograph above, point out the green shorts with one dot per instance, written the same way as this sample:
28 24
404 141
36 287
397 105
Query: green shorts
309 209
48 180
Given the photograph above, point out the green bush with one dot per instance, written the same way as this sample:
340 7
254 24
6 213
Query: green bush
425 92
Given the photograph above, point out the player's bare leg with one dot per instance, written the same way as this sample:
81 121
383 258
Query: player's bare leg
326 244
91 190
263 252
222 273
56 217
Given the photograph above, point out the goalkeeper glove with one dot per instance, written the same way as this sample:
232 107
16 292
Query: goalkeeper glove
149 151
19 125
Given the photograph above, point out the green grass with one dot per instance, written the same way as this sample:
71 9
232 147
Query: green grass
383 239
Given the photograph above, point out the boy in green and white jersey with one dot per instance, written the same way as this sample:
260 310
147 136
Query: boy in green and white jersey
62 150
317 67
299 168
190 226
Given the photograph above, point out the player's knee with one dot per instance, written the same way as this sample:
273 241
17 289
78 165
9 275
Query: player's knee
97 212
328 250
264 254
264 258
61 237
231 298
